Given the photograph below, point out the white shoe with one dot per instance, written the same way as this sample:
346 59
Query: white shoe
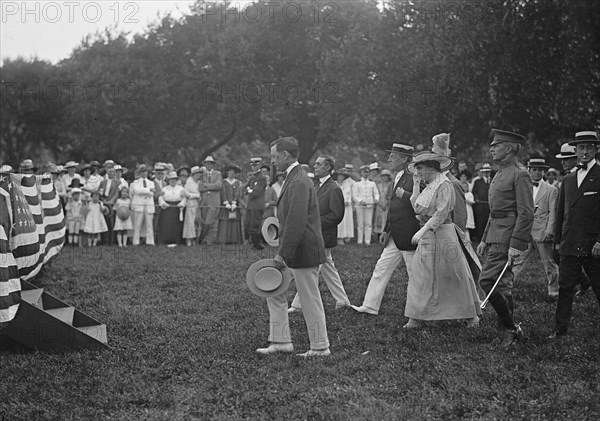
294 310
314 353
365 309
274 348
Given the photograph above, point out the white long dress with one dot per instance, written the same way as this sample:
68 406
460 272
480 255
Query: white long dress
442 286
346 227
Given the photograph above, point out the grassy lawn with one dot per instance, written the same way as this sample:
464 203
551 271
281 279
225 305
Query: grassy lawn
183 329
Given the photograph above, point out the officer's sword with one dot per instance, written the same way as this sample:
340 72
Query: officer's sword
484 303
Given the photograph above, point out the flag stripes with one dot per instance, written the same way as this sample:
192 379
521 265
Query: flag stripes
32 231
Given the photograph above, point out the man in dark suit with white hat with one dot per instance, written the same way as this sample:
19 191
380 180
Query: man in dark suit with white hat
301 248
577 233
400 227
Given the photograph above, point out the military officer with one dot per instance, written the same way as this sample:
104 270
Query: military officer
256 203
508 229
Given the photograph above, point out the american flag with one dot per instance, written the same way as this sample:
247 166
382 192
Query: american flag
32 231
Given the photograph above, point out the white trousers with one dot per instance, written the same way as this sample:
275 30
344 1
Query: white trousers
389 259
364 224
332 280
307 284
138 219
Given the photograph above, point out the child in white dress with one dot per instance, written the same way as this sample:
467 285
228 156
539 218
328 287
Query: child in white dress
94 221
74 216
123 219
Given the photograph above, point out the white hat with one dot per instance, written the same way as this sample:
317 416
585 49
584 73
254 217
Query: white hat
270 231
567 151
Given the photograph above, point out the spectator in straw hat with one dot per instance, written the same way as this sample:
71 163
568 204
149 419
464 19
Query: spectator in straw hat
172 203
59 185
142 205
70 175
545 199
109 193
366 197
210 185
230 226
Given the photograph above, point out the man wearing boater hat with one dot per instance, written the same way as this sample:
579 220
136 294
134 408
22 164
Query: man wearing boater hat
399 230
542 233
568 159
577 232
508 230
301 248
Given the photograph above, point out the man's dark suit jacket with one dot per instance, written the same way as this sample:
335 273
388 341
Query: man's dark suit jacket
331 209
109 197
402 222
300 240
577 225
256 199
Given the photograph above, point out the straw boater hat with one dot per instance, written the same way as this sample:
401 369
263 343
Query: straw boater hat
349 167
270 231
171 175
27 164
403 149
209 158
386 172
195 169
585 137
118 167
554 170
365 167
266 280
374 167
486 167
537 163
159 166
567 151
70 164
109 163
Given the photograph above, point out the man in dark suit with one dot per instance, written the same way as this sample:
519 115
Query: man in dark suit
400 227
331 210
301 248
481 208
255 203
109 193
577 229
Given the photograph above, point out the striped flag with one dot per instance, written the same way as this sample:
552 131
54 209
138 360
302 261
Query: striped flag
32 231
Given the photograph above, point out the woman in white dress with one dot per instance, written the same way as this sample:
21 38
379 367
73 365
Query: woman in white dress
192 206
442 286
346 227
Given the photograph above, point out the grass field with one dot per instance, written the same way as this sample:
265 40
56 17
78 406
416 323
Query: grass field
183 329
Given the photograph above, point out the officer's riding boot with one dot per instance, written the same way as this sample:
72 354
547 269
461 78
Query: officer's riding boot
257 241
511 332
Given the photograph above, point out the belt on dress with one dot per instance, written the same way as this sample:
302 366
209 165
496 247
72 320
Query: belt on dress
502 214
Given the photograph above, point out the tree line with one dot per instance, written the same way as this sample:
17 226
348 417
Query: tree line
340 76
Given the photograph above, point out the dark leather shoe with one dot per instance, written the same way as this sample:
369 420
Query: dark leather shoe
556 335
511 336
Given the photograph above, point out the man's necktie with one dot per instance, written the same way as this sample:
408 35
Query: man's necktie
536 184
582 166
144 181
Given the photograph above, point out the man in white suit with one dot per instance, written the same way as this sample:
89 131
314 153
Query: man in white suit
142 205
545 198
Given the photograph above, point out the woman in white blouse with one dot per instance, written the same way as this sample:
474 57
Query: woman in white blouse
172 201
